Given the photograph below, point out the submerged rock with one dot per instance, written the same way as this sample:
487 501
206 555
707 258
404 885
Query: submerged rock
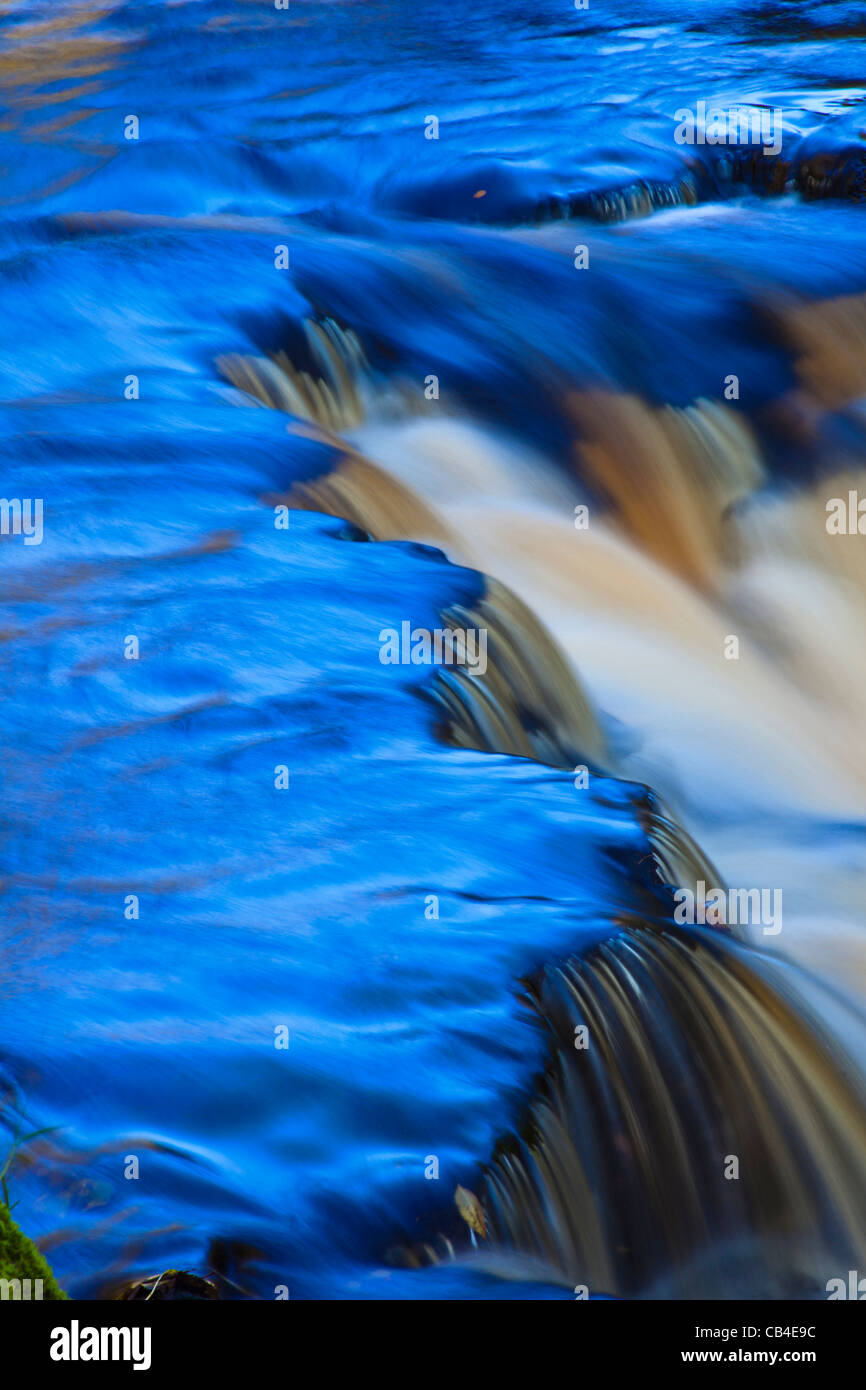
171 1284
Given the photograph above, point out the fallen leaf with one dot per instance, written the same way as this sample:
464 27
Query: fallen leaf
471 1210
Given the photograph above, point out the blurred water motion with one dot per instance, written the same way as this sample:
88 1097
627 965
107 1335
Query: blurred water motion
468 430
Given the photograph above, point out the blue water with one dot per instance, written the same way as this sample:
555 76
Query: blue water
305 907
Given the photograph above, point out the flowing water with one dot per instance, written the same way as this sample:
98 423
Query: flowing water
286 373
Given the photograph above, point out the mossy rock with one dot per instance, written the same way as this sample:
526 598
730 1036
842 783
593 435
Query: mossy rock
19 1259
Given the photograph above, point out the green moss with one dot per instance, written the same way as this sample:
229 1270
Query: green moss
19 1258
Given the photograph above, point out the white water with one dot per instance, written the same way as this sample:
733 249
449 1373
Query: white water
758 757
